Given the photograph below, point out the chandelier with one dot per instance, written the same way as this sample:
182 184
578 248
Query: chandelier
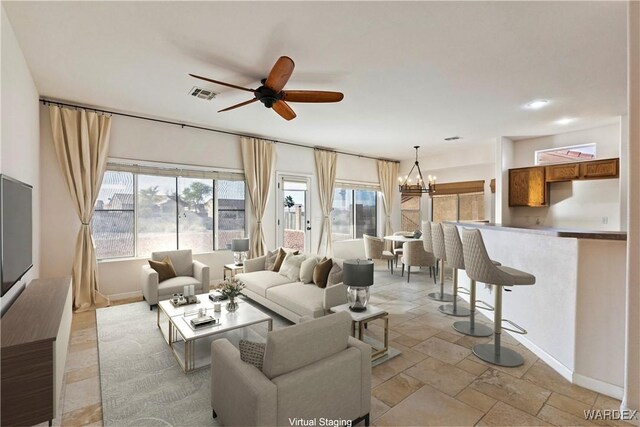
407 187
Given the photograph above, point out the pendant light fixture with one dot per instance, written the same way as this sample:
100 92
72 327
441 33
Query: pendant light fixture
408 187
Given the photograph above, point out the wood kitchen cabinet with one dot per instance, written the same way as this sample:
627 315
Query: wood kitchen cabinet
562 172
528 187
600 169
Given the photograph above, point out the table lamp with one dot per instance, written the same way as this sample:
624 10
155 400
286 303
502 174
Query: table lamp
240 247
358 276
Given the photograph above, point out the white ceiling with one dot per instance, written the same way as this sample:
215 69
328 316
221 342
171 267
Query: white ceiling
412 73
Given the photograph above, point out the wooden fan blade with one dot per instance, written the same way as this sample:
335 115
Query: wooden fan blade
221 83
280 73
284 110
239 105
311 96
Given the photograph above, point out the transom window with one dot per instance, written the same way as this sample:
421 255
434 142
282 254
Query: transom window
570 154
139 213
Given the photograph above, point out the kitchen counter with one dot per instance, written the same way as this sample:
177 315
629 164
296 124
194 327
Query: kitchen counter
574 313
548 231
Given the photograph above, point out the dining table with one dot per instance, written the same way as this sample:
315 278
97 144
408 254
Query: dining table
400 238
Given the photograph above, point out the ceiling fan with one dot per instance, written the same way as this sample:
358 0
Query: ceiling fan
272 95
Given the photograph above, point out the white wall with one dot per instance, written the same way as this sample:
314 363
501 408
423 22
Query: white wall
631 398
151 141
593 204
458 163
19 154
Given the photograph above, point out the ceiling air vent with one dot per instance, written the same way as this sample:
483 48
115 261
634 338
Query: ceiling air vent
201 93
452 138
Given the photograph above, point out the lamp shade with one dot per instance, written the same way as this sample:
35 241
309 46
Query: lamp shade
357 273
240 245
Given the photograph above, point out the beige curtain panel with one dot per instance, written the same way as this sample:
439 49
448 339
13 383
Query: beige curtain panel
81 140
388 177
326 169
258 159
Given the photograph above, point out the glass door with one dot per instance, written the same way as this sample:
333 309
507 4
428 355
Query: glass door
294 218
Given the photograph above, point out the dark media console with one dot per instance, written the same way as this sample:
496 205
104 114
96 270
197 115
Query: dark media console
35 336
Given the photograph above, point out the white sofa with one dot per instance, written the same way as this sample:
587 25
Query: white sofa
311 371
292 300
189 272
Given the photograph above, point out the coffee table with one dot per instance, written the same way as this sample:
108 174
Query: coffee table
359 320
182 337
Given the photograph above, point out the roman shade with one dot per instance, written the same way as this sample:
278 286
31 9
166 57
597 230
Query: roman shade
160 169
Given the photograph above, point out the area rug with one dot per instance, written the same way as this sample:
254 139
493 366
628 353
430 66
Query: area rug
141 381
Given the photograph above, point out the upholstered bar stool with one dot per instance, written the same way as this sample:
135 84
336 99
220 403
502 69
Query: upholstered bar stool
437 237
455 260
427 243
480 268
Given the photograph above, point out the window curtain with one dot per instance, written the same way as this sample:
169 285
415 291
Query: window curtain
326 170
388 177
81 141
258 159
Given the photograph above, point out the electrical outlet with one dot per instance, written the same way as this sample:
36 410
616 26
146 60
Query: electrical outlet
605 220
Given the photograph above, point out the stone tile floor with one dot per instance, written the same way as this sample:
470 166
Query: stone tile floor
435 381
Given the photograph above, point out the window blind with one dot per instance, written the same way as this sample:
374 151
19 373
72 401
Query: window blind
353 185
173 171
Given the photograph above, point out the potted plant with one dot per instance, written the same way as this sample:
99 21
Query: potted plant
232 289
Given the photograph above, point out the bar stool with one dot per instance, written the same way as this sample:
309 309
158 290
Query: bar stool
437 237
427 243
455 258
480 268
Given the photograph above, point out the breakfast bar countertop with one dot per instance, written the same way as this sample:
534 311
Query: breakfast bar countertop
548 231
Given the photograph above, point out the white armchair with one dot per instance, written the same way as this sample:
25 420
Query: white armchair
413 254
311 370
189 272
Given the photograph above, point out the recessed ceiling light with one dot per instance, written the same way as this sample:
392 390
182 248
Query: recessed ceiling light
537 104
565 121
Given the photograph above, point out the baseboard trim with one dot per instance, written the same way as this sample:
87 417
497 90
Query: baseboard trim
125 295
599 386
555 364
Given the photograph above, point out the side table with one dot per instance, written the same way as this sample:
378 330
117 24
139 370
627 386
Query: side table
359 320
232 269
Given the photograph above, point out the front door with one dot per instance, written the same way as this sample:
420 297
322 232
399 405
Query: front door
294 218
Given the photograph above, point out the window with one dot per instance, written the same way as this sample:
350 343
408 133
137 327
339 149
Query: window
231 219
410 211
140 213
354 213
574 153
458 207
113 219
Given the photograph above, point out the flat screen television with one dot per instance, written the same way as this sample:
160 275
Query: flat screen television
15 231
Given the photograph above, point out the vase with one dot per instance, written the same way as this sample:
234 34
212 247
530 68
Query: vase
232 305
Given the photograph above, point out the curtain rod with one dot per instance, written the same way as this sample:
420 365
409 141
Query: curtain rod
46 101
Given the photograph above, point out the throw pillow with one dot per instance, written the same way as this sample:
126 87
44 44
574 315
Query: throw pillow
270 260
306 269
252 352
335 275
291 266
279 259
321 272
164 268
